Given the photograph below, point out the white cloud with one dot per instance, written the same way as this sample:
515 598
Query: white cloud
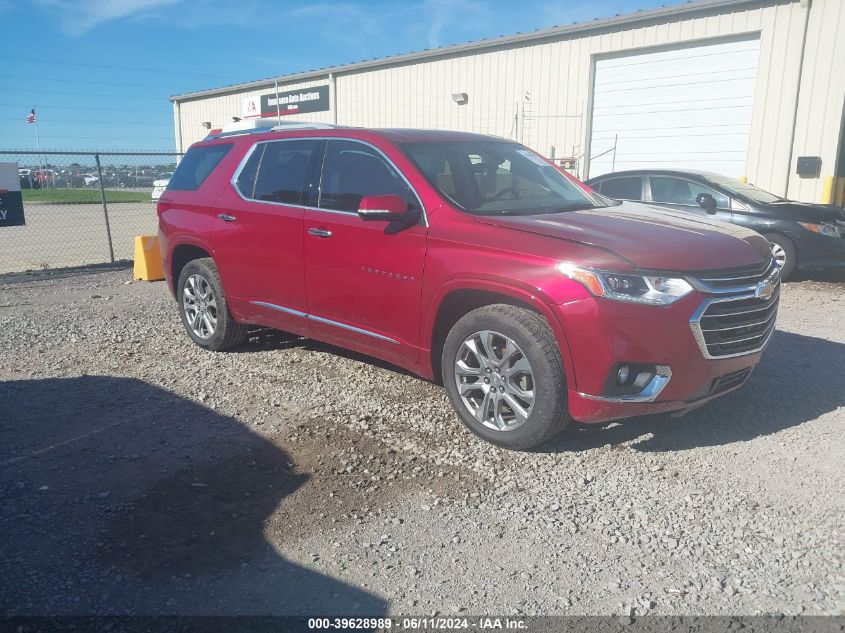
77 17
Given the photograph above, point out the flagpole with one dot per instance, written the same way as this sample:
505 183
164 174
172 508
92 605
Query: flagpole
37 141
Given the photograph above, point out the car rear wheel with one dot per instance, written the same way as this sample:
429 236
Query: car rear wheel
502 369
784 252
203 307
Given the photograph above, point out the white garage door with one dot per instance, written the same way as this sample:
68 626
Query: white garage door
682 108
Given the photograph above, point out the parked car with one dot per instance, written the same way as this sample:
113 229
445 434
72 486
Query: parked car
801 235
158 187
469 260
28 179
90 180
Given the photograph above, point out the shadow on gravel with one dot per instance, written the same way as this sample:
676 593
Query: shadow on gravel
266 339
829 275
63 273
121 498
799 379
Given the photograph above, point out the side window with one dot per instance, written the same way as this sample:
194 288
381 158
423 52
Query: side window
353 170
624 188
282 171
680 191
246 179
196 165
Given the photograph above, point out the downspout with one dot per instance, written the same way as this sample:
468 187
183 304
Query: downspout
333 97
177 111
805 4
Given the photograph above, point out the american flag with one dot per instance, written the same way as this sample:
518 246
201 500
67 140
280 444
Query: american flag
30 118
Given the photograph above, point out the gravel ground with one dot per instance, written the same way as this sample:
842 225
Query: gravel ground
142 475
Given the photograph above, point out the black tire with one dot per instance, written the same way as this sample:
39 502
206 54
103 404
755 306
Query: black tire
531 333
789 251
227 332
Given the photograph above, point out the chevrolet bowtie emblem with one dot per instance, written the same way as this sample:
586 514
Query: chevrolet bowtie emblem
764 290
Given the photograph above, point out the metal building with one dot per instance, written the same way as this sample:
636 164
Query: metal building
741 87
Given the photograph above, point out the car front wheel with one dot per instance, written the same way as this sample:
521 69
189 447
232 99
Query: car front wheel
502 369
784 252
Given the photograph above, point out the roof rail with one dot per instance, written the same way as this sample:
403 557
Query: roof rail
302 125
259 126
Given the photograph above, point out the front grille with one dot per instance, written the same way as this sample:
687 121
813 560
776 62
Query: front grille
736 321
736 277
729 381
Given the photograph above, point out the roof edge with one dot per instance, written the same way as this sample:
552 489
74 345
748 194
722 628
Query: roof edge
690 7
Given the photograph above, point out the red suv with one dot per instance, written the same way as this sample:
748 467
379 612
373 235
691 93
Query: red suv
469 260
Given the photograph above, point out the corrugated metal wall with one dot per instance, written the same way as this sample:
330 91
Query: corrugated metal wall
540 93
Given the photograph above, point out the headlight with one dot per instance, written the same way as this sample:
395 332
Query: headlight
659 290
830 230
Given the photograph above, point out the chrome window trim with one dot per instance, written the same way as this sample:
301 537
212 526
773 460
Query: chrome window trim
234 179
649 393
319 319
698 333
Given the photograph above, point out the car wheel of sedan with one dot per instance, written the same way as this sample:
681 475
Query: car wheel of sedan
203 307
502 369
784 252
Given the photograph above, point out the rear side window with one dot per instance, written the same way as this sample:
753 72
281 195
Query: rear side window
246 177
282 171
196 165
627 188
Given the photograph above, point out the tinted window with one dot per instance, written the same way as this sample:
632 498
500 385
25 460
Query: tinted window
353 170
246 179
680 191
627 188
495 177
196 165
282 171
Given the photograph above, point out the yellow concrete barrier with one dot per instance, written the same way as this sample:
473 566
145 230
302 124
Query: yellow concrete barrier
839 198
827 191
148 263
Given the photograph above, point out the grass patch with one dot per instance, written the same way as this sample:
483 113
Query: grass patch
83 196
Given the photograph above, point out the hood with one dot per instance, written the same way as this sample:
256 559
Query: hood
650 238
805 211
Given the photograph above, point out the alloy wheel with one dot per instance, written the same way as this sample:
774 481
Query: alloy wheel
495 380
200 306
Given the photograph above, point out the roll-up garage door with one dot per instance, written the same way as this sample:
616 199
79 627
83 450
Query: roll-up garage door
686 108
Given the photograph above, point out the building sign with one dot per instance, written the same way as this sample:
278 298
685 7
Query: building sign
290 102
11 203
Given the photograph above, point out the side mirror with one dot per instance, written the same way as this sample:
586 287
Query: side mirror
706 202
387 207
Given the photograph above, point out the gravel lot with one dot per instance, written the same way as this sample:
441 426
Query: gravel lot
141 475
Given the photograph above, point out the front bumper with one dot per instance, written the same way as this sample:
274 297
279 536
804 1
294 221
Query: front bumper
605 333
820 251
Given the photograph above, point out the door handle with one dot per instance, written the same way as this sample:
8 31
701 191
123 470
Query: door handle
320 232
226 217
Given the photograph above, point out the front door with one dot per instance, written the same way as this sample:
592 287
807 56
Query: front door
363 279
257 239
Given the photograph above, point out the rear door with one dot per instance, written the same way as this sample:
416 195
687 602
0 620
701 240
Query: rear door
257 238
364 279
681 194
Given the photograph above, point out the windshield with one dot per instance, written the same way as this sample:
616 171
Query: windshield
496 178
744 190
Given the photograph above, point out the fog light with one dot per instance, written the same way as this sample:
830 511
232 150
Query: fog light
623 374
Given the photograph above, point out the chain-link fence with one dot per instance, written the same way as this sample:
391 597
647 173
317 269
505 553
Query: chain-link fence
82 207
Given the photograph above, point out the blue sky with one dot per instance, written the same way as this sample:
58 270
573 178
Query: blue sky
99 71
